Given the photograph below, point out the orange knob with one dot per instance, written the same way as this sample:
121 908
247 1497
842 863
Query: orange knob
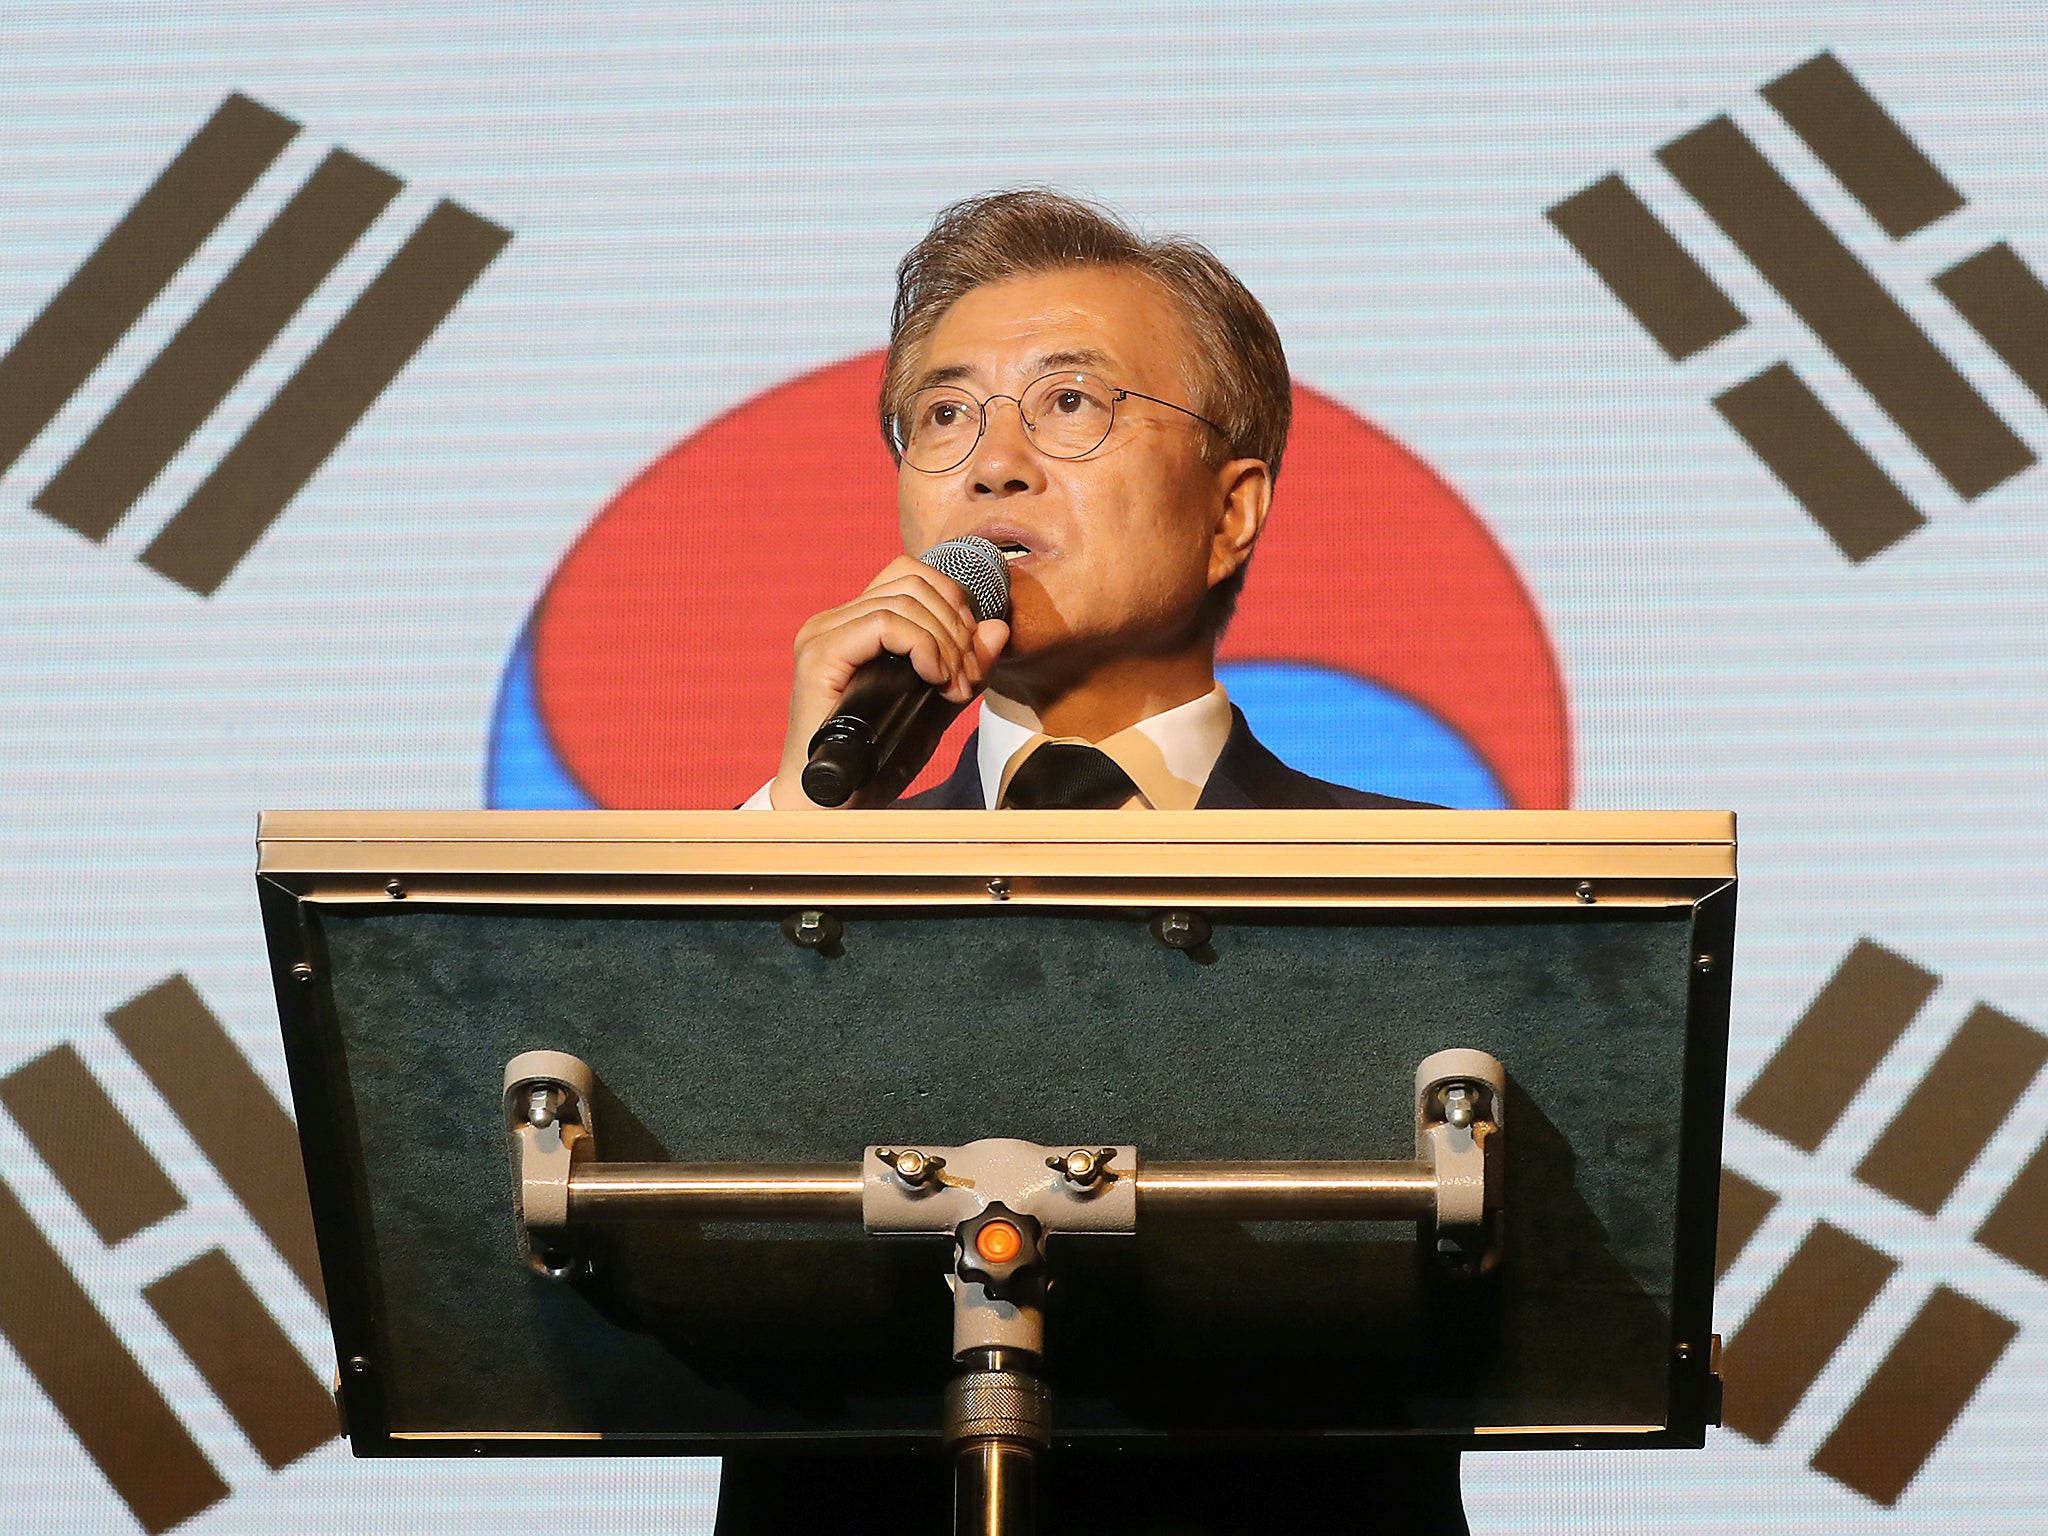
998 1242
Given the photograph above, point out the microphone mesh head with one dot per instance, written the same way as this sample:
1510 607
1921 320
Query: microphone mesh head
979 567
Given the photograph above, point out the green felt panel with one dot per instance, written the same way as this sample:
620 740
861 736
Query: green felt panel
715 1038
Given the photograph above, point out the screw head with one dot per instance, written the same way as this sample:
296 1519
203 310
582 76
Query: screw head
1184 931
1585 891
1081 1166
999 888
395 889
302 971
911 1166
1703 963
813 928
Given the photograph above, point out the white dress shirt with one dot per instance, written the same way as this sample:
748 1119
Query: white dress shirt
1169 756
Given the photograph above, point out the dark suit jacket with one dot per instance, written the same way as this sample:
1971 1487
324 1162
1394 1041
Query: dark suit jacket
1246 777
1368 1490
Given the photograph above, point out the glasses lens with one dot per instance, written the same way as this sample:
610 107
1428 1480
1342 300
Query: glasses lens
936 428
1069 413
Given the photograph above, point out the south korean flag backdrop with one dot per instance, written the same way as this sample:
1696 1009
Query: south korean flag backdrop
395 412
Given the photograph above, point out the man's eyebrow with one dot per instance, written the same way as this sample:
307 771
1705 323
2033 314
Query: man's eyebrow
1077 357
952 373
1050 362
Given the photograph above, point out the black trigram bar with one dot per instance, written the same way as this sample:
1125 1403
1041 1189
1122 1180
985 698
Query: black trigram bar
2017 1228
125 273
189 378
89 1376
1669 293
265 1384
1851 313
92 1150
1915 1396
1796 1327
2006 305
1842 488
1964 1098
236 1120
1836 1045
1744 1208
318 407
1859 141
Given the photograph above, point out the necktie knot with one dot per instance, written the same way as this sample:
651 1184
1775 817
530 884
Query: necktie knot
1068 776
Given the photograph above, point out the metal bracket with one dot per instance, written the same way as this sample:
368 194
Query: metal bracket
550 1132
1460 1108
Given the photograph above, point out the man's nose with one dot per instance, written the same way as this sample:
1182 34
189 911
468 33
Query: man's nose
1004 462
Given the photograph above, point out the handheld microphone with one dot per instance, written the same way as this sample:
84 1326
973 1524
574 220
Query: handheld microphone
889 720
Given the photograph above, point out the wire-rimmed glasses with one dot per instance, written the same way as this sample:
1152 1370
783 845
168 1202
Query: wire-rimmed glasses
1066 416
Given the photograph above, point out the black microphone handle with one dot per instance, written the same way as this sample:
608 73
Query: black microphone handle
887 726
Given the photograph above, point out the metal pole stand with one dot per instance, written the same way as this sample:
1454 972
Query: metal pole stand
1001 1200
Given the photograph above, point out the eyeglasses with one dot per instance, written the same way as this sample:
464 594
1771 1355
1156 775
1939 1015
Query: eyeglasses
1066 416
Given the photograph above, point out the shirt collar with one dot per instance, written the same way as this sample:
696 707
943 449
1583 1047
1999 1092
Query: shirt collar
1169 756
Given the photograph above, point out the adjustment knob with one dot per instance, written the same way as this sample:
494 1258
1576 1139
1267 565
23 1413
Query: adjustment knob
1002 1251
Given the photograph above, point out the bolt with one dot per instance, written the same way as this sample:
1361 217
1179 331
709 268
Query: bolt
814 928
1461 1105
1585 892
1081 1167
543 1100
999 888
1184 931
358 1366
302 972
1703 963
913 1167
395 889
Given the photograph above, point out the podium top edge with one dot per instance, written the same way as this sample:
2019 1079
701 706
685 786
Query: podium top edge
1179 828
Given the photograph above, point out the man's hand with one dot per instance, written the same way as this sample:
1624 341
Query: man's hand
909 610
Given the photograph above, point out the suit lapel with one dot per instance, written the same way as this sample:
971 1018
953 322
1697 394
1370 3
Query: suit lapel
960 790
1245 776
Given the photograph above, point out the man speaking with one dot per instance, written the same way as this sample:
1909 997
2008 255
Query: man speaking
1109 413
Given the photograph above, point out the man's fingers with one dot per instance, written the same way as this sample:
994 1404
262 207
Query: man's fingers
903 572
947 609
990 636
893 622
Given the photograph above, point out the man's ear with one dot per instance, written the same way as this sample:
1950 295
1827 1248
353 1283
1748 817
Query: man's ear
1247 487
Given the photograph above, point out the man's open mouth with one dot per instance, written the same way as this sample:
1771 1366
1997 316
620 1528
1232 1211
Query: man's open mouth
1011 549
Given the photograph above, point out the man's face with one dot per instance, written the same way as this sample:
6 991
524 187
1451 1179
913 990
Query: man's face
1120 547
